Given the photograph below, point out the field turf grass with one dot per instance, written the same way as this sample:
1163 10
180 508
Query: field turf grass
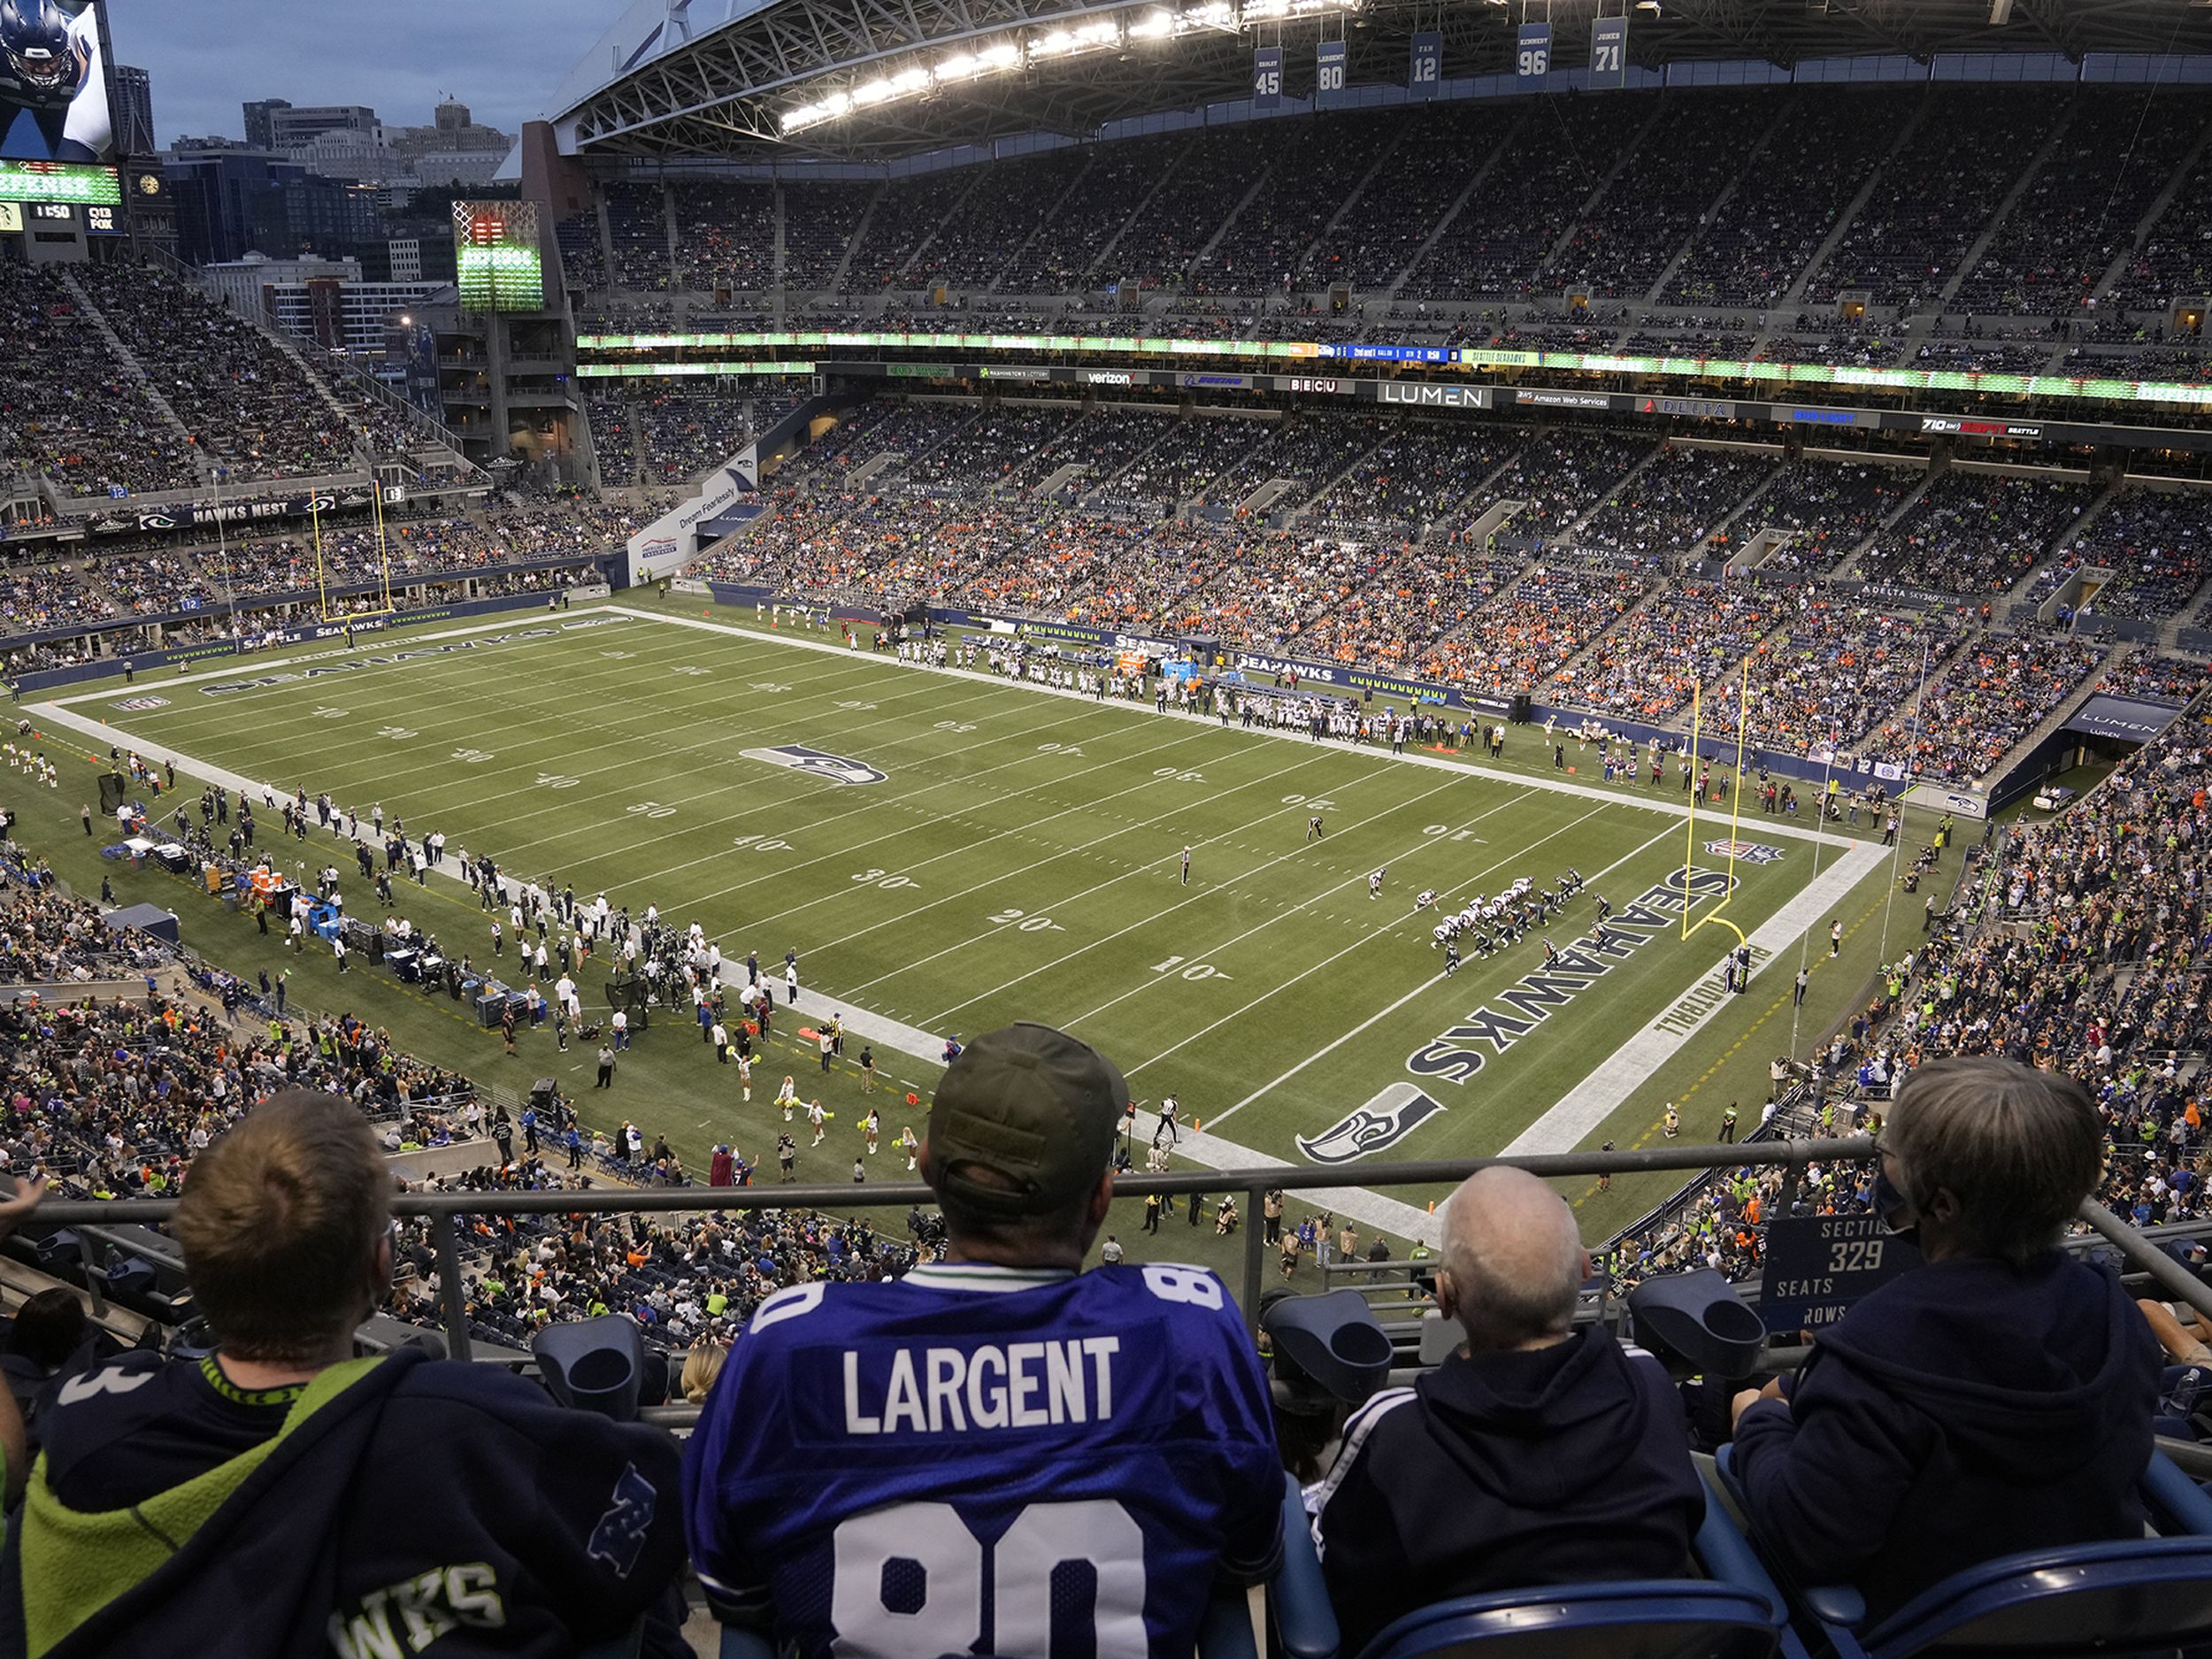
1019 858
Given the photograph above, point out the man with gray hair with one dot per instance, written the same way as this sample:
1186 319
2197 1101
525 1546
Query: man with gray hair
1999 1398
1537 1453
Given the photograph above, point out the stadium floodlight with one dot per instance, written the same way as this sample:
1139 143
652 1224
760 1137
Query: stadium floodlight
872 92
1153 24
1005 55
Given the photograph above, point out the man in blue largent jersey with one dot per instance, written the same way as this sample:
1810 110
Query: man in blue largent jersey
999 1453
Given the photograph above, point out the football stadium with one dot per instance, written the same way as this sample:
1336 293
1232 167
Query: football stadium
1115 827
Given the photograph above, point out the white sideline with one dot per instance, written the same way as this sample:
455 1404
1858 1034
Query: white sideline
1652 802
1568 1120
1575 1114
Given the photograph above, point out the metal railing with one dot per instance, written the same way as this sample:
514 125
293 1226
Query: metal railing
1251 1186
2144 1252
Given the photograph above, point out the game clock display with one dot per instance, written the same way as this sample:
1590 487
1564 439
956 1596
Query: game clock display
495 255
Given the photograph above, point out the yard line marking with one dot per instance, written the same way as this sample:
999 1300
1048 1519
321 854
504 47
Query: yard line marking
1591 1102
939 1018
1541 781
1374 1019
990 932
653 708
1388 927
783 870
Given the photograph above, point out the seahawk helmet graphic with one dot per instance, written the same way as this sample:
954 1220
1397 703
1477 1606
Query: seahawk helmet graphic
1381 1123
799 757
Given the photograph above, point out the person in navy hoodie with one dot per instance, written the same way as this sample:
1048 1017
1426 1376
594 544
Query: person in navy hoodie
1539 1453
1998 1399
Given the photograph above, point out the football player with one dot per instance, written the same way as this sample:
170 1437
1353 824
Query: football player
47 59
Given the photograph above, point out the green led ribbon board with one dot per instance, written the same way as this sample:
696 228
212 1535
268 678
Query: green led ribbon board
59 181
495 255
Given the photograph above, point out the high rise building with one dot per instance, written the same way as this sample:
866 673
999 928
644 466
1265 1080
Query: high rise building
134 111
261 122
297 124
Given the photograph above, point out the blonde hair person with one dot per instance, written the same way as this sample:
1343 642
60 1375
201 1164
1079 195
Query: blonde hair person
787 1097
702 1365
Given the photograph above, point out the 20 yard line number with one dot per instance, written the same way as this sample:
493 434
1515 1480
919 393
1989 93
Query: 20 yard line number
1026 923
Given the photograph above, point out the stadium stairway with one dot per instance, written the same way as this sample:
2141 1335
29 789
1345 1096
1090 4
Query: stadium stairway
1044 219
1752 159
1569 672
836 283
1205 254
1792 300
1167 175
952 217
1925 324
2056 552
1627 480
1847 566
1305 258
2148 226
1727 520
1291 518
1445 220
1612 173
2028 175
2082 690
125 356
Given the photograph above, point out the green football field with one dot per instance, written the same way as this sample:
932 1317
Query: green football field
949 852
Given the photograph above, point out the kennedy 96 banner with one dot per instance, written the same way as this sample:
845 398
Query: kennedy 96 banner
53 82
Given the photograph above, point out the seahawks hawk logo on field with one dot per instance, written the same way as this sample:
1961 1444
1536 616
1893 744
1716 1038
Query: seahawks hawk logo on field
1383 1122
799 757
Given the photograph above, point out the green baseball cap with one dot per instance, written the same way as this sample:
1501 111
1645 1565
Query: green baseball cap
1023 1122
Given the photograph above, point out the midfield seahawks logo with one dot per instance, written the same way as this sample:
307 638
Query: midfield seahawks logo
1744 852
1383 1122
799 757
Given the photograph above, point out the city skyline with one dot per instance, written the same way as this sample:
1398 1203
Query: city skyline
503 58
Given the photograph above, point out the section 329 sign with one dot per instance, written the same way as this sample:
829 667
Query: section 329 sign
1817 1266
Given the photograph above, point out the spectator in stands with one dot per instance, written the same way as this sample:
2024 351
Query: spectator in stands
1536 1453
283 1462
857 1424
1995 1400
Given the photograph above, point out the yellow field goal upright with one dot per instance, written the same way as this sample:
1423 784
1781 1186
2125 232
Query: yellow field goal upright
383 550
1718 915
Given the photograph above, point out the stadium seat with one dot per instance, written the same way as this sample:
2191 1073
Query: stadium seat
1674 1619
2176 1503
2129 1596
2125 1596
1737 1610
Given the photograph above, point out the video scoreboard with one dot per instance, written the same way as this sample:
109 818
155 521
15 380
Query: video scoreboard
496 257
60 182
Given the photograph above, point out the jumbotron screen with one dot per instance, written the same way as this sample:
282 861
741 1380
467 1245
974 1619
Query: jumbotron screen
54 91
496 257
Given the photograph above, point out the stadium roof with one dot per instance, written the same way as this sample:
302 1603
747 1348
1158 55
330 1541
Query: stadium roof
771 79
